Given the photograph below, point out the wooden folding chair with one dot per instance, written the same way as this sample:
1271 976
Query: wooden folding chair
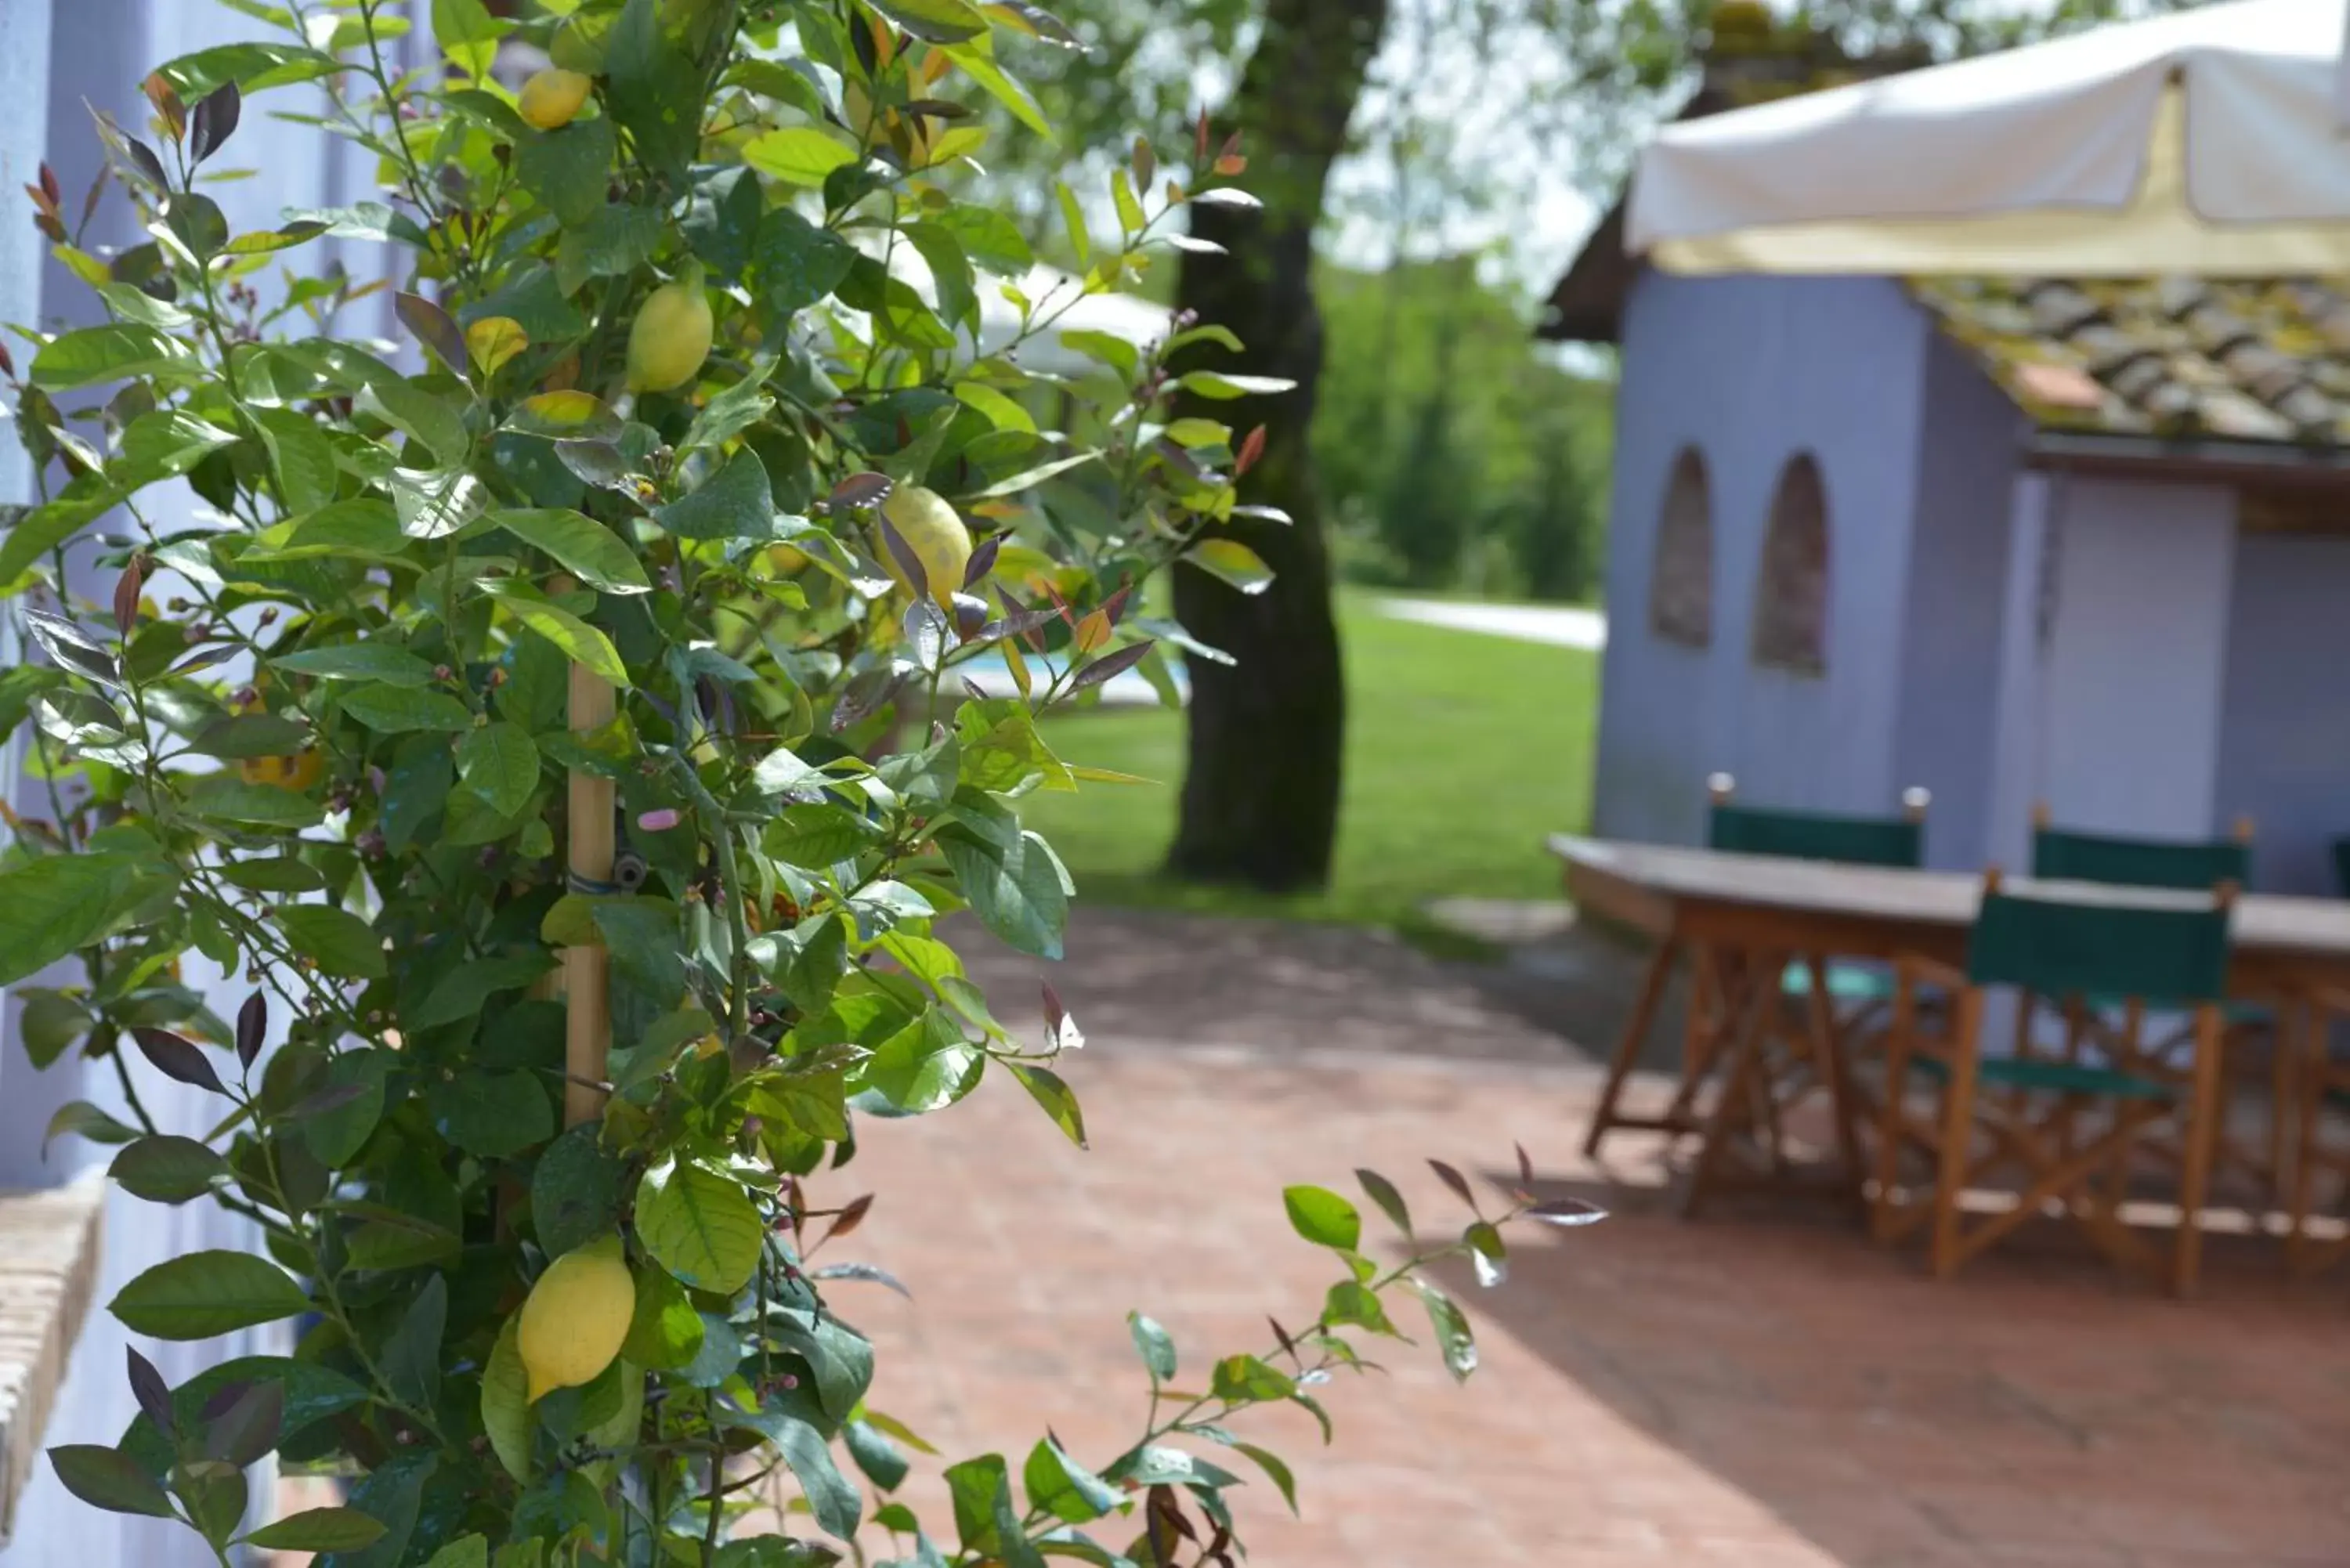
1791 998
2321 1111
2067 1128
2111 1029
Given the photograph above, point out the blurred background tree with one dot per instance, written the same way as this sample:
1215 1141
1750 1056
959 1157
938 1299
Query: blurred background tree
1444 158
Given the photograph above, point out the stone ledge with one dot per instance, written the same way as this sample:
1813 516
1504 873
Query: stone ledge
49 1251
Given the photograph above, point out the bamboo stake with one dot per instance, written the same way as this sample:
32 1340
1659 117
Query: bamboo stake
587 1011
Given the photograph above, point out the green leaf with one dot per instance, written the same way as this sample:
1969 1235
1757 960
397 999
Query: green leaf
375 662
723 222
85 1120
1452 1326
1383 1193
1232 562
1034 477
799 154
935 21
832 1497
581 546
44 528
49 1023
732 410
875 1454
612 243
699 1225
733 504
575 1195
273 874
468 35
1048 1089
302 456
253 67
795 264
925 1066
335 1135
817 835
164 1167
110 353
1245 1380
950 272
505 1401
1007 91
105 1477
224 797
567 170
666 1333
1275 1469
466 1551
199 1294
51 907
1219 385
573 638
1064 1488
654 88
1157 1348
400 710
465 990
990 238
492 1115
1323 1218
252 736
411 1356
1015 892
986 1517
337 940
319 1530
499 762
1350 1301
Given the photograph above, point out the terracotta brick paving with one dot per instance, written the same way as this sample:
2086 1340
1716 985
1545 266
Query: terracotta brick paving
1761 1390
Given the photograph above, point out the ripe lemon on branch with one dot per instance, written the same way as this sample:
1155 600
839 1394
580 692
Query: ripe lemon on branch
936 534
671 335
552 98
576 1317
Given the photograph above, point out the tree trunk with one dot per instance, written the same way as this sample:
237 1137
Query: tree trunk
1260 793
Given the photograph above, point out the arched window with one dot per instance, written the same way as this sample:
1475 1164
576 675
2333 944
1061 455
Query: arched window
1680 580
1790 594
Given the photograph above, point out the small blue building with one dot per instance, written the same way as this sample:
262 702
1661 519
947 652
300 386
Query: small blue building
2085 543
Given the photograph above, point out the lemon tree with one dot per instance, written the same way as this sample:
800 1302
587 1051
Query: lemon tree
691 482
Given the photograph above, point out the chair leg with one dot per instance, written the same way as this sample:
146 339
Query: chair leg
2202 1129
1745 1051
1958 1131
1627 1049
1828 1046
2285 1063
2310 1045
1885 1210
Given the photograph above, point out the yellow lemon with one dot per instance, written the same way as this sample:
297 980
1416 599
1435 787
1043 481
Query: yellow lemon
297 772
576 1318
940 541
552 98
671 335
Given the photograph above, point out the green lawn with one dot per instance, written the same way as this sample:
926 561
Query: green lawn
1463 752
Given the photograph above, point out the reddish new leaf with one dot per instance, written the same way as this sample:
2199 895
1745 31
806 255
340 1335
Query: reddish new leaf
179 1058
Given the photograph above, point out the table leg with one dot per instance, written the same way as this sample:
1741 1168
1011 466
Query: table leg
1827 1045
1627 1049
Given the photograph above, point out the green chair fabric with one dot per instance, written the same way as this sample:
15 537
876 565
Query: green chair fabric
2342 867
1847 980
1817 836
2061 855
1813 835
2164 957
2057 1077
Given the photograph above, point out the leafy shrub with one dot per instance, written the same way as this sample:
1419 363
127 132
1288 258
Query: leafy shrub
617 634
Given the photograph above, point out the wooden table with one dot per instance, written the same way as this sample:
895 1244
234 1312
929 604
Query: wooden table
1766 910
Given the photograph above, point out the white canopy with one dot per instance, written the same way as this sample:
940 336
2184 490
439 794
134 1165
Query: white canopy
2206 141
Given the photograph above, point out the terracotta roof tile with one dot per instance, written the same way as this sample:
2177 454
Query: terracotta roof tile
2243 360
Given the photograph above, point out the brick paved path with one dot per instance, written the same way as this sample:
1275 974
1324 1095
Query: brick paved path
1759 1391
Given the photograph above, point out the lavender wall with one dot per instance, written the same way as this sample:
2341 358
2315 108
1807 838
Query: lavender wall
1956 603
2284 751
1753 371
52 60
